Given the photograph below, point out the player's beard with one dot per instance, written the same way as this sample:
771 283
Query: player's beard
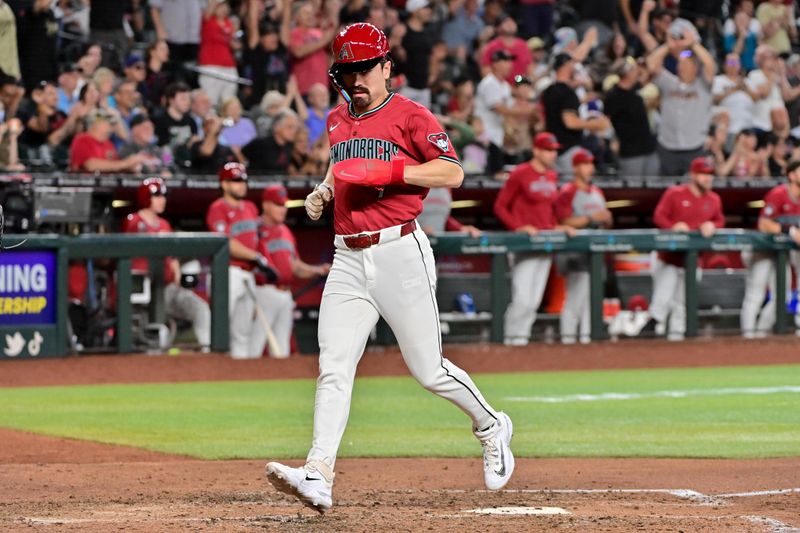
361 97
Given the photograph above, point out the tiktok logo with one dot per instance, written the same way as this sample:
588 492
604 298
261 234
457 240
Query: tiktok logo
16 343
35 344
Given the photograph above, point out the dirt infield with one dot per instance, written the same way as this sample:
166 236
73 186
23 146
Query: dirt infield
68 485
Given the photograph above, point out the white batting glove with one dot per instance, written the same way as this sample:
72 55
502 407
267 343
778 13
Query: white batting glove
316 201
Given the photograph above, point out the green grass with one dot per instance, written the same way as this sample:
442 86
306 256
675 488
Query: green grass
395 417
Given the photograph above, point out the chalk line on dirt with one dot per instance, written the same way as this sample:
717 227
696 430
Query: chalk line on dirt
622 396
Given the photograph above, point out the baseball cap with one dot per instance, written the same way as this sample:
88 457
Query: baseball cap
546 141
276 194
133 59
623 66
561 59
502 55
101 114
582 157
139 118
416 5
702 165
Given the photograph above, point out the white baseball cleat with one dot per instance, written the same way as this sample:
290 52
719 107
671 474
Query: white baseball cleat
498 461
312 484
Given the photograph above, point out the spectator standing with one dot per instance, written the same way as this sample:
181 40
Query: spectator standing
215 57
266 60
742 34
276 241
508 41
179 303
690 207
463 27
561 113
580 204
107 25
157 78
237 218
93 151
777 24
626 110
274 153
36 38
525 204
9 56
177 23
536 18
685 101
308 42
769 111
493 102
731 94
780 214
414 54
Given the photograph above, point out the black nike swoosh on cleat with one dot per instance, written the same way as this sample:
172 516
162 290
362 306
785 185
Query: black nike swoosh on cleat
312 479
502 471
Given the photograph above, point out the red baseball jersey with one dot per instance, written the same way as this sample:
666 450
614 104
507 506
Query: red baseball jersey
397 127
527 198
277 243
679 204
780 206
574 201
237 222
134 223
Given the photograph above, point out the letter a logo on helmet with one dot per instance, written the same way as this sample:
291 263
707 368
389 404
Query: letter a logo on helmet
345 53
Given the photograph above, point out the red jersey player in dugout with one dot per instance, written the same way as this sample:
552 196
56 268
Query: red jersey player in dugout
386 152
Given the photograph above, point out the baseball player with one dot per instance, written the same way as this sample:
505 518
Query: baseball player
275 241
179 302
386 151
238 218
525 204
780 214
581 205
690 207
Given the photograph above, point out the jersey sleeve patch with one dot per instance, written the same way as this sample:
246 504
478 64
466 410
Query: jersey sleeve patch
440 141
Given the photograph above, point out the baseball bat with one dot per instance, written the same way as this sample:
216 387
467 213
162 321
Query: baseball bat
272 341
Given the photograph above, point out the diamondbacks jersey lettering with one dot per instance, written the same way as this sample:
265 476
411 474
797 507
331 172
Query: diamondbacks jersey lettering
780 206
134 223
527 198
240 223
398 127
279 246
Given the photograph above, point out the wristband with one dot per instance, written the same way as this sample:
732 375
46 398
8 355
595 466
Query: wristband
326 186
398 170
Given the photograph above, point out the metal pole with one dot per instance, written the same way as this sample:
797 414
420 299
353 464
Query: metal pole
596 295
124 307
220 326
499 297
690 277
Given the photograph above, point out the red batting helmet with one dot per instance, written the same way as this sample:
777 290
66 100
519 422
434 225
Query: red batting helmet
357 48
150 187
233 171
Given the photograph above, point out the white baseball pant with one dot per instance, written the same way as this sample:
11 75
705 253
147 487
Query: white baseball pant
396 280
669 296
575 320
184 304
278 308
240 312
754 320
529 274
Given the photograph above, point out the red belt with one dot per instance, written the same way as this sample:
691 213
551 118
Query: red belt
365 240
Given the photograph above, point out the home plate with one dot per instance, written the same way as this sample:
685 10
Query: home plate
519 510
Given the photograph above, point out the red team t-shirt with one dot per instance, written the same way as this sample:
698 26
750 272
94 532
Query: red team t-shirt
527 198
679 204
240 223
85 147
398 127
278 245
215 43
780 206
134 223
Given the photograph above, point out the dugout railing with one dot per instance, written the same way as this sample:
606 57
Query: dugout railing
597 243
28 278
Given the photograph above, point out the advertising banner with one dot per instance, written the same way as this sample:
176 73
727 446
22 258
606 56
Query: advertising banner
27 287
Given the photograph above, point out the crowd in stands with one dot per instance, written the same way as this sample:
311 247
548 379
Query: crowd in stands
173 86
